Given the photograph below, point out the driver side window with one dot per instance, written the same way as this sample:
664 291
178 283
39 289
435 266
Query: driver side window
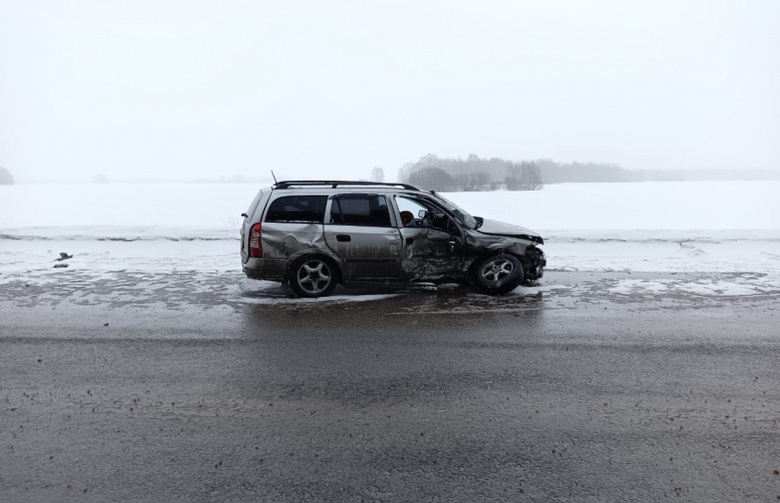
416 213
412 212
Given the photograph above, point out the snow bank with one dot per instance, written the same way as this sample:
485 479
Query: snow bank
634 206
570 207
663 226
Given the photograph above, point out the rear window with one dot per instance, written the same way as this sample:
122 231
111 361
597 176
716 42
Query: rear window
297 209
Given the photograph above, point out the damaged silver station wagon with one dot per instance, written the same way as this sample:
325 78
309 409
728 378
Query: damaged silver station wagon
315 234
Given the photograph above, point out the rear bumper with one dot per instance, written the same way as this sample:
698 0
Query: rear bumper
265 269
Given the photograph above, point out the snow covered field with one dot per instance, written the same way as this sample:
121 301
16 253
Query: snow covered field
665 227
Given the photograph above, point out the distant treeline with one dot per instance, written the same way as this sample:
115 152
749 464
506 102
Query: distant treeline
578 172
681 175
477 174
582 172
471 174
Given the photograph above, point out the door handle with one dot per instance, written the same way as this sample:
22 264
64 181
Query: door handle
343 238
409 241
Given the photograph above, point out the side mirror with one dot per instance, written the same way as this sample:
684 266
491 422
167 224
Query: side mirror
422 213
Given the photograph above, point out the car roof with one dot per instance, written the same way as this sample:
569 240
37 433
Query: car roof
338 183
326 187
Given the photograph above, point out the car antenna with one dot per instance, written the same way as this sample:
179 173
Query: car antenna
272 174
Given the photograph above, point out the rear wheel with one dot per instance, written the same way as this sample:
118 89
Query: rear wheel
312 277
498 274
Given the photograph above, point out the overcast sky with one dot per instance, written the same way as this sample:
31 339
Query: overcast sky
183 89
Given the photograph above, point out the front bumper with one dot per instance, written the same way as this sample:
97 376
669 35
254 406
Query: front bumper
534 263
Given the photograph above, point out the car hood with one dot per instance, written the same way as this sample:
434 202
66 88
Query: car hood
496 228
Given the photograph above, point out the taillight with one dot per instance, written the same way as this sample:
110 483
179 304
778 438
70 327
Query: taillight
255 243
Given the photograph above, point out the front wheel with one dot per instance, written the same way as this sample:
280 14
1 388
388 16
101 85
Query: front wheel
312 277
498 274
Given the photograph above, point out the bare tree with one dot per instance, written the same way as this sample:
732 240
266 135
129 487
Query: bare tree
523 176
433 179
377 174
5 177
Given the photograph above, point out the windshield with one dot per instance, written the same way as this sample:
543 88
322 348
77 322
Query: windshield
462 215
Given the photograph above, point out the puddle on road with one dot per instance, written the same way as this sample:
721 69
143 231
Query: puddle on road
428 299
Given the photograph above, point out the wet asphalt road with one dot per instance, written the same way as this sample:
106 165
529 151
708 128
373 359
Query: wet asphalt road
158 388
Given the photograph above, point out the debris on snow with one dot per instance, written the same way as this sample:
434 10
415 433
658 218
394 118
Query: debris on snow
63 256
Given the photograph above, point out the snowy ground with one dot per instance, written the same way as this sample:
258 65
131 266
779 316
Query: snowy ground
717 228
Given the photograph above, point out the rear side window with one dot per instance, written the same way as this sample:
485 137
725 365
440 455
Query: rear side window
297 209
360 209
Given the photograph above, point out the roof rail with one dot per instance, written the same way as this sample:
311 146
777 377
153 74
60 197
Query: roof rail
336 183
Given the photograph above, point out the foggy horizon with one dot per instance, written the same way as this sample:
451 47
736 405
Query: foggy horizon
177 91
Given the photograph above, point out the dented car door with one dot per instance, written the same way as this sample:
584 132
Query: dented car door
360 229
432 243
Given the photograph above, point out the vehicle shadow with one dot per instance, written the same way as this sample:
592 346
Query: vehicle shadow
447 305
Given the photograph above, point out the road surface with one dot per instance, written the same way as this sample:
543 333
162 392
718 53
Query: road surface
589 388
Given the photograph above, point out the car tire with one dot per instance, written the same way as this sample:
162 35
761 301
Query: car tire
313 276
498 274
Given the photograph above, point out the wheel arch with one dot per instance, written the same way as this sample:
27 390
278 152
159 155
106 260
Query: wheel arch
315 252
502 281
478 258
